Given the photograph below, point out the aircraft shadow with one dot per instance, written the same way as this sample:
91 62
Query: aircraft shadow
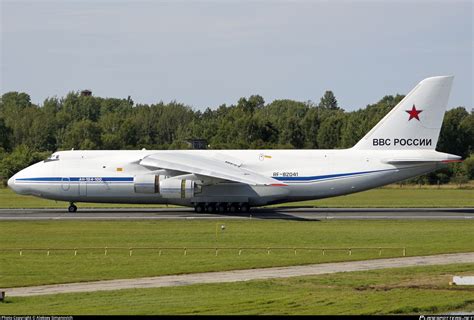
269 214
257 213
387 210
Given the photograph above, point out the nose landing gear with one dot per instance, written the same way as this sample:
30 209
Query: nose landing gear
72 208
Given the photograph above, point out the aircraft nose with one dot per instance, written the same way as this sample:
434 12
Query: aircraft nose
18 188
11 182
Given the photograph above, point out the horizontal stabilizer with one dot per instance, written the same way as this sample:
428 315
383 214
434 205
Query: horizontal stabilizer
407 161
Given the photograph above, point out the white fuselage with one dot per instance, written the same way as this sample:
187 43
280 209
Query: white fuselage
111 176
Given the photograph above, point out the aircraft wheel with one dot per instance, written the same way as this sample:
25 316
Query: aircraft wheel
233 208
245 207
221 208
210 208
72 208
199 208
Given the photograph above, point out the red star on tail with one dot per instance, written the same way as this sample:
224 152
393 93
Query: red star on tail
413 113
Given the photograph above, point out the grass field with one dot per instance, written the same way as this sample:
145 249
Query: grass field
407 290
419 290
397 198
34 268
383 197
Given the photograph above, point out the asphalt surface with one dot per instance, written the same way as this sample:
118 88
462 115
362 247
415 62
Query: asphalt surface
288 213
240 275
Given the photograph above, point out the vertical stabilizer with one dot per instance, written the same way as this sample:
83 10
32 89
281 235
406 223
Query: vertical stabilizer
415 122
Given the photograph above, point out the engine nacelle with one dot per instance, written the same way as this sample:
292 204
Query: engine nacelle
175 188
147 183
171 188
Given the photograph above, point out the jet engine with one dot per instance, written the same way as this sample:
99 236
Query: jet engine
167 187
175 188
146 183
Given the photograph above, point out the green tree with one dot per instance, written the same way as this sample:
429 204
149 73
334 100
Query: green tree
328 101
466 128
293 134
84 134
76 108
329 134
20 158
128 134
253 103
460 174
311 124
14 109
5 133
14 102
468 165
452 138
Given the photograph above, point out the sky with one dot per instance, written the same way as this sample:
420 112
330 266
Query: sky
205 54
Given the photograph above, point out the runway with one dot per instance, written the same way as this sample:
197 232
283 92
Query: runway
241 275
285 213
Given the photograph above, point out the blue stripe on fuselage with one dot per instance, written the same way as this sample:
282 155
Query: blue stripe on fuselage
39 179
327 176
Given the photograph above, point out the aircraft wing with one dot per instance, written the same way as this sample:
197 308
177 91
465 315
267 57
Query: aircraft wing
207 166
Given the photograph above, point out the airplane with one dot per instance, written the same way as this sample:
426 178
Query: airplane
402 145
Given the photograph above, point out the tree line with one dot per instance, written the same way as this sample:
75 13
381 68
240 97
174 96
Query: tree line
30 132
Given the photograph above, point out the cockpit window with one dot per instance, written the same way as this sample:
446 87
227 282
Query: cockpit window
53 157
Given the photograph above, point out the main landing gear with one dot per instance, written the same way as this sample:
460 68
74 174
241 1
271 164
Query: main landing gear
72 208
221 207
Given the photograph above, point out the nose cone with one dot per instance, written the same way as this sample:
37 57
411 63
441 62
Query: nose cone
11 183
24 181
15 184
